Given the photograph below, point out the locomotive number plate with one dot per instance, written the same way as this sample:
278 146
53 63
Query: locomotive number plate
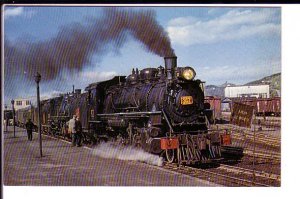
186 100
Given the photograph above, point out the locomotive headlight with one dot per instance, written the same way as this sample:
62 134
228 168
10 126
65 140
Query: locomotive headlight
188 73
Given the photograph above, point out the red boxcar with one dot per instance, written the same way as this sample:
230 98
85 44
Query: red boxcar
276 101
215 105
263 106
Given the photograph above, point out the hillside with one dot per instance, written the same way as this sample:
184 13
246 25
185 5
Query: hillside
273 80
212 90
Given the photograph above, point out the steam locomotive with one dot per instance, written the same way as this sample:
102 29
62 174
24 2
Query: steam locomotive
161 110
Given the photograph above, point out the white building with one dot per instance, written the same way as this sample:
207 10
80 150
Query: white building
22 103
258 91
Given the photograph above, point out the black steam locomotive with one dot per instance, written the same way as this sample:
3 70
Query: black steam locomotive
161 110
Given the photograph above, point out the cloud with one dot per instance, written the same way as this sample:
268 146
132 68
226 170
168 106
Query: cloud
238 74
234 24
50 94
30 13
18 11
211 11
43 96
94 76
183 21
80 80
13 12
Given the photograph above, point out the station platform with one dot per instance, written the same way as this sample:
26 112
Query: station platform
64 165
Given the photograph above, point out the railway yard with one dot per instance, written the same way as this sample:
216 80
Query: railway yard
261 167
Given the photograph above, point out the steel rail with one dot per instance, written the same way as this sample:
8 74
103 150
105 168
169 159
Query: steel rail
198 172
257 140
250 172
260 136
273 156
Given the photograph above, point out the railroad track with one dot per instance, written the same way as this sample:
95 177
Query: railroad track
223 174
270 142
260 155
268 123
219 175
249 133
262 136
245 134
249 172
259 137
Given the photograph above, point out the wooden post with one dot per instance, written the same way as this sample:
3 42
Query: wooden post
253 163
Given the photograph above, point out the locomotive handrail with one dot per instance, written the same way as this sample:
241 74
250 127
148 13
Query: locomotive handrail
94 121
129 114
168 122
129 107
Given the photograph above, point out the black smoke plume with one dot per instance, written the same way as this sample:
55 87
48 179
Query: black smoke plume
74 45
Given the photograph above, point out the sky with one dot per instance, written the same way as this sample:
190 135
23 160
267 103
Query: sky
233 44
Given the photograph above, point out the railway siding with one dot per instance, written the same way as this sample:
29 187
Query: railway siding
218 175
240 170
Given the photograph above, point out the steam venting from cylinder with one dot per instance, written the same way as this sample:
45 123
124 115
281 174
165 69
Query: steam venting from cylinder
74 45
170 66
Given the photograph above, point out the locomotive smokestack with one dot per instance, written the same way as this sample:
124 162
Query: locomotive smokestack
170 67
78 91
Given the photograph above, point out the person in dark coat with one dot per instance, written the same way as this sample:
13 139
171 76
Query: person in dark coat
78 132
29 127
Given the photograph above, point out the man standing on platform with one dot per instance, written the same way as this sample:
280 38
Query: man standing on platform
71 124
29 127
78 130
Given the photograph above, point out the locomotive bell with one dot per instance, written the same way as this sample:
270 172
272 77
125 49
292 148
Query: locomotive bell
170 66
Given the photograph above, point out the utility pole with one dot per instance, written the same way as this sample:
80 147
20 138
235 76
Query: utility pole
37 80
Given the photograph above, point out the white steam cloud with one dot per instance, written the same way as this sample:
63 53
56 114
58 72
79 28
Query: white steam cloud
109 150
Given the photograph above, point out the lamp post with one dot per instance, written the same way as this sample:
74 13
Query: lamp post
37 80
6 122
13 109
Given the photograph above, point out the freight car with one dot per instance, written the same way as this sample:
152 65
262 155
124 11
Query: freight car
263 106
213 104
161 110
